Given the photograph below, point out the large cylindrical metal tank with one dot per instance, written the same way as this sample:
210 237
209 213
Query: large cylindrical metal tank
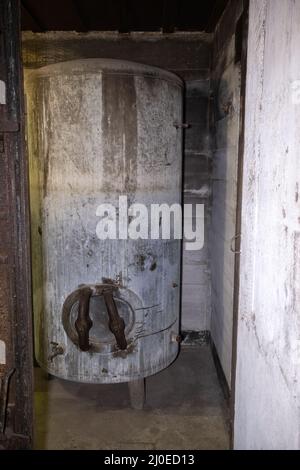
99 129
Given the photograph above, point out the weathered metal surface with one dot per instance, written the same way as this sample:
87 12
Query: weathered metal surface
15 312
98 129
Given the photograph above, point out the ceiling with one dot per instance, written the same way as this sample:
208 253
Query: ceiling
124 16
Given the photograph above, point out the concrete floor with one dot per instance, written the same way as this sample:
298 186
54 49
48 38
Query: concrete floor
185 409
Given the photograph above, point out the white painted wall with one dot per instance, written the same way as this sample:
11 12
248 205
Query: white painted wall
268 351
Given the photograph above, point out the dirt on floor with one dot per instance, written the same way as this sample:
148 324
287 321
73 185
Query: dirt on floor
185 409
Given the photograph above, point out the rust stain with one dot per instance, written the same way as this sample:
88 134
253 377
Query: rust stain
123 353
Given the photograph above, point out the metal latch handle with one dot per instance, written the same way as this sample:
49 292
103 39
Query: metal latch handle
83 323
232 241
116 323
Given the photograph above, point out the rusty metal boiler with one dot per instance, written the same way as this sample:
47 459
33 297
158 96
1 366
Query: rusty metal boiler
105 311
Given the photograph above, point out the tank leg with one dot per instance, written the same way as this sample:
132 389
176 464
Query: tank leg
137 393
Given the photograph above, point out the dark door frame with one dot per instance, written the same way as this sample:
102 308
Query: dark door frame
16 399
16 370
241 47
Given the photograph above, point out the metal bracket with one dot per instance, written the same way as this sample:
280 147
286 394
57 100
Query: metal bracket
181 125
233 239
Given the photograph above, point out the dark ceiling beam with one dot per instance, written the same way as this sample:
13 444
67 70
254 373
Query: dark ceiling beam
170 16
34 21
80 15
124 26
217 10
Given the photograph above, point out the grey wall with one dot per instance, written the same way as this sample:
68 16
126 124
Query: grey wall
267 414
226 89
196 292
187 55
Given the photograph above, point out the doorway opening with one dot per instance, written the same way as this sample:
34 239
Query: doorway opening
187 404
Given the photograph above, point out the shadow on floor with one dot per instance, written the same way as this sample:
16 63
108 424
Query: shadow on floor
185 409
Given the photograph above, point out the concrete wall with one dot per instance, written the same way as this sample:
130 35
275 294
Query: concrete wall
187 55
226 89
196 290
268 350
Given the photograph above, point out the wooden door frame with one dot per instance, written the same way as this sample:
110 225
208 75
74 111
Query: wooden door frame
15 273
